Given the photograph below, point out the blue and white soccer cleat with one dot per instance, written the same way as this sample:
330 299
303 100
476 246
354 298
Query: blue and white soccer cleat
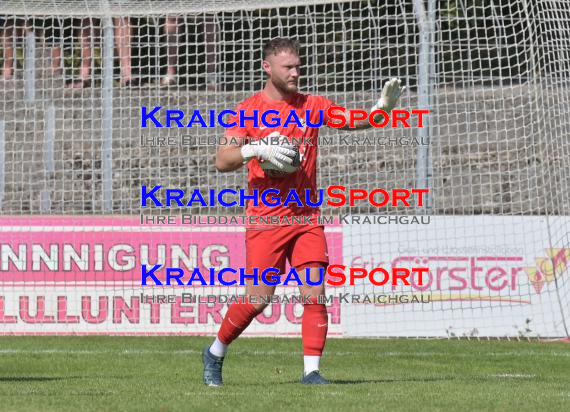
314 378
212 368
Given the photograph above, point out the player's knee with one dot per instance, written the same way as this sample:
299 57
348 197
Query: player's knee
316 300
257 302
317 278
259 307
312 291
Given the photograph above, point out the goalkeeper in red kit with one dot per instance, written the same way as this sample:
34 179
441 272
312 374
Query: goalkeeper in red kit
269 246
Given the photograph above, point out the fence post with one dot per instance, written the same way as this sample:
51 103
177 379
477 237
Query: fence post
30 66
107 115
424 170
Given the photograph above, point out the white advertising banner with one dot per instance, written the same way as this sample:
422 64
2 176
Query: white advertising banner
488 276
484 276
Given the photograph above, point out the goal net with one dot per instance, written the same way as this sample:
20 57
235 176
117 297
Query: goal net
494 153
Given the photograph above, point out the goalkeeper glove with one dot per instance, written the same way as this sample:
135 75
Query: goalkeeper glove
281 155
390 94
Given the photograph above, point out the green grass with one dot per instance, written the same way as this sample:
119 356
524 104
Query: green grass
165 374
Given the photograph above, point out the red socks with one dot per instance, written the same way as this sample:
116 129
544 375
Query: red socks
238 317
314 328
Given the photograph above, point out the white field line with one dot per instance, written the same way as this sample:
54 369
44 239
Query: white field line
513 376
137 352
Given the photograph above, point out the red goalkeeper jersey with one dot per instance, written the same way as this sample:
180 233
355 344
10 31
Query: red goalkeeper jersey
306 176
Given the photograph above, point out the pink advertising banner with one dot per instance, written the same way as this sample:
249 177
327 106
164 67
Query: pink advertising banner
82 275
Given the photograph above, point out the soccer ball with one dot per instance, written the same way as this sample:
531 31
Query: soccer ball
272 171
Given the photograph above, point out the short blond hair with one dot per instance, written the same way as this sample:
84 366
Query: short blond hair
278 45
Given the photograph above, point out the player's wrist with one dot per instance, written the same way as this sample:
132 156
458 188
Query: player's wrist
379 106
248 152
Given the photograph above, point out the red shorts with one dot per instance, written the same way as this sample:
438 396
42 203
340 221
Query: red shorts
300 244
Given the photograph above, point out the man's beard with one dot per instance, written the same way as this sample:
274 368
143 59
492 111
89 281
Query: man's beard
285 87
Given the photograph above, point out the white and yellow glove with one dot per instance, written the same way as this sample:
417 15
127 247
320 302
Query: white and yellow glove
391 92
279 155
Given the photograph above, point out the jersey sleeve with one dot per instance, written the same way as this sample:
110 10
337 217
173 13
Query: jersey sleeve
323 104
235 131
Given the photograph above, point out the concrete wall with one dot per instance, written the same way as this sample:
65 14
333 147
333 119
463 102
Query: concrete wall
496 150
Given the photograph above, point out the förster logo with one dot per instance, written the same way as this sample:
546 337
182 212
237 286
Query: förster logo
482 278
547 268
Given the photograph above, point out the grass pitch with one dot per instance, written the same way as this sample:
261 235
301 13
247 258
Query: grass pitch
165 374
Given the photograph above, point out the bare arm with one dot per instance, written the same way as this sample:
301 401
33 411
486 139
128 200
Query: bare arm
234 156
388 100
229 158
358 124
